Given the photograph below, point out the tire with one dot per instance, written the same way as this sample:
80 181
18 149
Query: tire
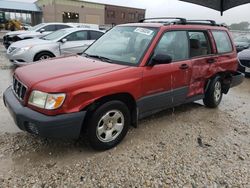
214 94
104 131
43 56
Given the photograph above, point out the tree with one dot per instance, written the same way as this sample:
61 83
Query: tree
243 26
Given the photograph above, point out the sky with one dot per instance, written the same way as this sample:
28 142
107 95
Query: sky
175 8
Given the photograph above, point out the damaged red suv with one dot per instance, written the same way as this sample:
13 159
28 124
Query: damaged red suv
132 71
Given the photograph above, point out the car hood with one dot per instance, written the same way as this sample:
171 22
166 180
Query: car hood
58 73
244 55
31 35
15 33
30 42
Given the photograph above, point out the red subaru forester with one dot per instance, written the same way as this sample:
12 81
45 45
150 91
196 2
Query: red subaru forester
132 71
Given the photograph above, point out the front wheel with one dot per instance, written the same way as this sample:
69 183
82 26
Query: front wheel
108 125
214 94
43 56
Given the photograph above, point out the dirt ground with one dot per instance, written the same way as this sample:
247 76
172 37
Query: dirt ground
188 146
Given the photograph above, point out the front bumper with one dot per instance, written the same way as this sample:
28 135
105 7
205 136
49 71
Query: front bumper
59 126
237 79
24 58
6 44
244 67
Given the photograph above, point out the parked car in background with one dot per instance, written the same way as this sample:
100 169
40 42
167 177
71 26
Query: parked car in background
131 72
33 32
244 64
26 26
61 42
242 43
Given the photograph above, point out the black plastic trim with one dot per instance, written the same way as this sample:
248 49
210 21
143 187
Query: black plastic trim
163 100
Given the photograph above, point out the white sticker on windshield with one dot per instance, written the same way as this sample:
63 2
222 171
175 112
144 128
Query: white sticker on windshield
143 31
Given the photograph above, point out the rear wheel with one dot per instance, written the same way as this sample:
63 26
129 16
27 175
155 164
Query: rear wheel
108 125
214 94
43 56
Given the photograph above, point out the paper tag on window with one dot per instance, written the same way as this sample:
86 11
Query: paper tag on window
143 31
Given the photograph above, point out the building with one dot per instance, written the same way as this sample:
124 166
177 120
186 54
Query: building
71 11
119 15
28 13
88 12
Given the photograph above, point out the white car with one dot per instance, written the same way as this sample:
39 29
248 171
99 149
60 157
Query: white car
61 42
41 30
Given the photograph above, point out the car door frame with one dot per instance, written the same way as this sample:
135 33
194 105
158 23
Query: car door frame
202 66
152 101
69 52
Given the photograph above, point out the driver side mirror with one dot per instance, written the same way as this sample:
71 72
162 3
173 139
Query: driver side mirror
160 59
41 30
64 40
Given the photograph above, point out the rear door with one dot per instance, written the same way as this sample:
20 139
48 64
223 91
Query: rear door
203 60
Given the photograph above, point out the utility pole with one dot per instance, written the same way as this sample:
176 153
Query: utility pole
55 9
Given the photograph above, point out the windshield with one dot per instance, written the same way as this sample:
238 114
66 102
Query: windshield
124 45
55 35
36 27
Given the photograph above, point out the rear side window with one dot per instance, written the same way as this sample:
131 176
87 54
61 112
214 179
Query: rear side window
199 44
174 44
50 28
94 35
222 41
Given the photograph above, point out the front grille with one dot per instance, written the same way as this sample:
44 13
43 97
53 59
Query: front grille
11 49
19 88
7 38
245 63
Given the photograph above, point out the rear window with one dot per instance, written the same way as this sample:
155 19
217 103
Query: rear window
222 41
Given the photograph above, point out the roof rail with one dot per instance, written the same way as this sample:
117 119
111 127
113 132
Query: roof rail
177 20
203 22
181 20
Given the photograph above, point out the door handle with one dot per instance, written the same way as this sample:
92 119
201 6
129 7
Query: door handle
184 66
212 60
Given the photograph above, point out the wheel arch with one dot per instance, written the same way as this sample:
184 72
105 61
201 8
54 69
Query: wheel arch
126 98
226 78
43 51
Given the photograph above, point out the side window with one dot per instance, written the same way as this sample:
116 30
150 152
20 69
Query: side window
76 36
199 44
94 35
174 44
62 27
222 41
49 28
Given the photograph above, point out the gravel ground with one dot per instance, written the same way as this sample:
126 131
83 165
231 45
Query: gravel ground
188 146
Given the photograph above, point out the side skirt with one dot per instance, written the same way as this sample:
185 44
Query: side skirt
172 103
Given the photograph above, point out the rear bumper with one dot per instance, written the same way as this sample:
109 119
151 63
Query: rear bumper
60 126
237 79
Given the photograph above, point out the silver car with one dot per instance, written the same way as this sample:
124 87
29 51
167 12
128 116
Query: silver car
61 42
36 31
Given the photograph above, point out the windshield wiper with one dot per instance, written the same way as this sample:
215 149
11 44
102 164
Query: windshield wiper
99 57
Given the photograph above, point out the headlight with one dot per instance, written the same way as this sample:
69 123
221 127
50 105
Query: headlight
22 50
46 100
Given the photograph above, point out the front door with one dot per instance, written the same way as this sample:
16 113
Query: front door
75 43
166 85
